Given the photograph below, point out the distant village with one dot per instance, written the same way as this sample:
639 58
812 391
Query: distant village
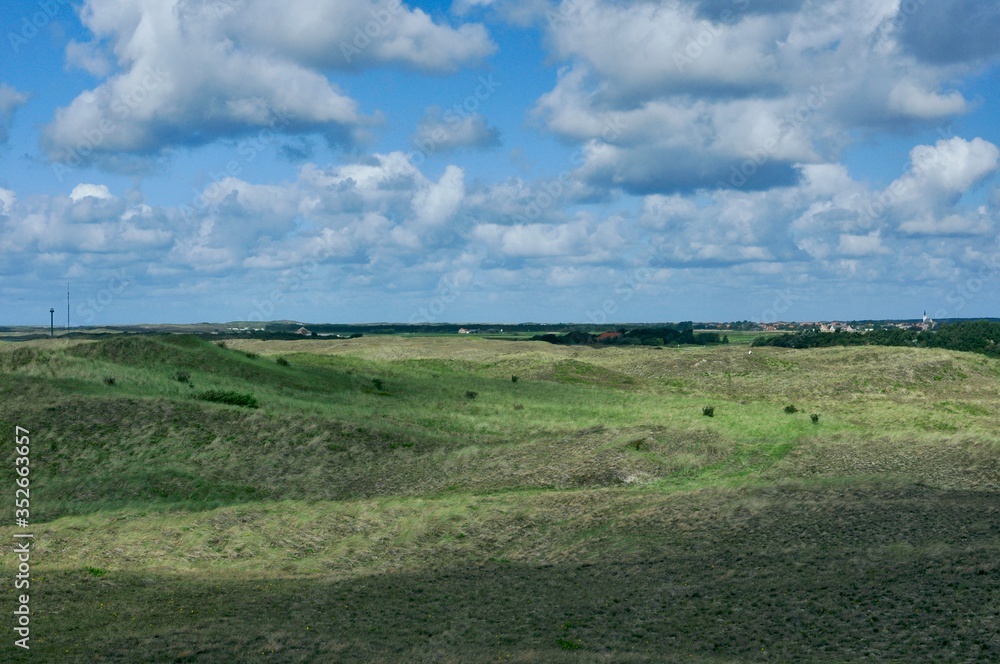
925 323
345 331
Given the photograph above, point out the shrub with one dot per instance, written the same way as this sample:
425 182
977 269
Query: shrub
251 354
221 344
471 395
393 446
109 380
244 399
708 411
791 409
282 361
519 406
182 376
378 383
566 644
815 418
514 379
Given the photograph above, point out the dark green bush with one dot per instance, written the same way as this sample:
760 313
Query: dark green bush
790 409
708 411
109 380
471 395
182 376
566 644
378 383
282 361
514 379
815 418
230 397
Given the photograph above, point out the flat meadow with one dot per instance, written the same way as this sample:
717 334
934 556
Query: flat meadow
465 499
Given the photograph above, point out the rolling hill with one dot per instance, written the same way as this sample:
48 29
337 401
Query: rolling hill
407 499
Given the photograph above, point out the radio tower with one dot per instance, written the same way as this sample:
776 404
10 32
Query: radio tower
67 305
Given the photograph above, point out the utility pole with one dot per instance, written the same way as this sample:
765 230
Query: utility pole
67 306
52 322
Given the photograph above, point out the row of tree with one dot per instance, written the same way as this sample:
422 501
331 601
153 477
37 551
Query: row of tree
978 336
640 336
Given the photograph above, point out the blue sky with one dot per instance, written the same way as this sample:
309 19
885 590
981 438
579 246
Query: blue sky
499 160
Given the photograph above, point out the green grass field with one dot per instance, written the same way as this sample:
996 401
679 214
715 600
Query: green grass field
403 499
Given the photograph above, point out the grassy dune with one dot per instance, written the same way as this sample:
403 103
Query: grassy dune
403 499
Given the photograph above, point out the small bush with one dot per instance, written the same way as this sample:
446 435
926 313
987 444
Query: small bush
790 409
708 411
230 397
471 395
514 379
110 380
566 644
637 444
282 361
97 571
182 376
378 383
251 354
519 406
221 344
815 418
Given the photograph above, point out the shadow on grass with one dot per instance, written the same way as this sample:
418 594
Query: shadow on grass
836 575
155 490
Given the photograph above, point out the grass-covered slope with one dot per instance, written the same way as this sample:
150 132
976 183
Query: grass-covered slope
397 499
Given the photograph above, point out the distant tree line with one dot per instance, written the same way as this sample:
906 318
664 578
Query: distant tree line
640 336
346 329
977 336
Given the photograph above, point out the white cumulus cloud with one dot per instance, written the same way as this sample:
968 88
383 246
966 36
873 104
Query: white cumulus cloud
189 73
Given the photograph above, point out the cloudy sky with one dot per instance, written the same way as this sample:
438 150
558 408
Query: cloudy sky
499 160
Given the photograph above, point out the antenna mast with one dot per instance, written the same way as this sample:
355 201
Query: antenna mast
67 305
